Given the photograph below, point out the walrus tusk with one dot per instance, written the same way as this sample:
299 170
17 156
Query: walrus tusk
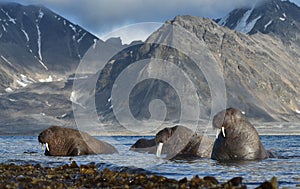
159 149
223 132
42 146
47 147
218 131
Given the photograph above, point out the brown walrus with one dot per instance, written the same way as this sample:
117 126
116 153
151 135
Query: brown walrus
61 141
144 145
238 139
177 142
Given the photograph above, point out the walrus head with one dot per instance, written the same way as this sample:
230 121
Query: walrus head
238 139
174 138
227 120
164 134
56 139
46 137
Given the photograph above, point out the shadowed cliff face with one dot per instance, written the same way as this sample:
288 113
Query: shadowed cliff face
36 44
38 51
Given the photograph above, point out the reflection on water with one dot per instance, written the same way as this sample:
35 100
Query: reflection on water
26 149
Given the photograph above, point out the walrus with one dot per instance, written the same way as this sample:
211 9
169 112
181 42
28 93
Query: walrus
238 139
176 142
181 142
144 145
61 141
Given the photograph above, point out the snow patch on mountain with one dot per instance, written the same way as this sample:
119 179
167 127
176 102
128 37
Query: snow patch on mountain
78 41
41 14
276 5
26 35
22 84
282 19
26 79
13 20
95 43
9 90
49 79
4 28
223 21
39 42
268 24
73 28
243 25
8 62
42 63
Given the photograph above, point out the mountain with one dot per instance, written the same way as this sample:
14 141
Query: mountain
260 72
276 17
38 45
39 50
176 74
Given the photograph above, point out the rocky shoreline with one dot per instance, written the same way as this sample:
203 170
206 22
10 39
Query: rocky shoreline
89 176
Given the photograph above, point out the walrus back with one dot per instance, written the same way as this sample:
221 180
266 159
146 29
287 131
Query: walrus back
96 146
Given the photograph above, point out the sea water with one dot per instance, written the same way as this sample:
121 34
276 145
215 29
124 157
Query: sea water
26 149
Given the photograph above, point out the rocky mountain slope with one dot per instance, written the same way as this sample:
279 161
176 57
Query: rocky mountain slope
273 17
39 50
260 71
38 45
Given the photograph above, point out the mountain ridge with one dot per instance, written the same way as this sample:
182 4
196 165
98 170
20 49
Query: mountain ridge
260 72
260 75
48 45
275 17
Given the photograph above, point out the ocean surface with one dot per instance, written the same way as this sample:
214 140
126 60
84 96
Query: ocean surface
26 149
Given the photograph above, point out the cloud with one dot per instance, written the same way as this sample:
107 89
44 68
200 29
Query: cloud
101 16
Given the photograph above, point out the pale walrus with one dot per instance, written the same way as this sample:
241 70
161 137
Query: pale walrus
238 139
61 141
176 142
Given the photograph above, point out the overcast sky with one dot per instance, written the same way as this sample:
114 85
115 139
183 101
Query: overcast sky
102 16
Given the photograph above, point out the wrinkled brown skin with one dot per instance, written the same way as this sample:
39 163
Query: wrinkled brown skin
179 142
241 140
71 142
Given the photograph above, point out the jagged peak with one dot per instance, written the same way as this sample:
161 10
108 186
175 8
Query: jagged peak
276 17
189 21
